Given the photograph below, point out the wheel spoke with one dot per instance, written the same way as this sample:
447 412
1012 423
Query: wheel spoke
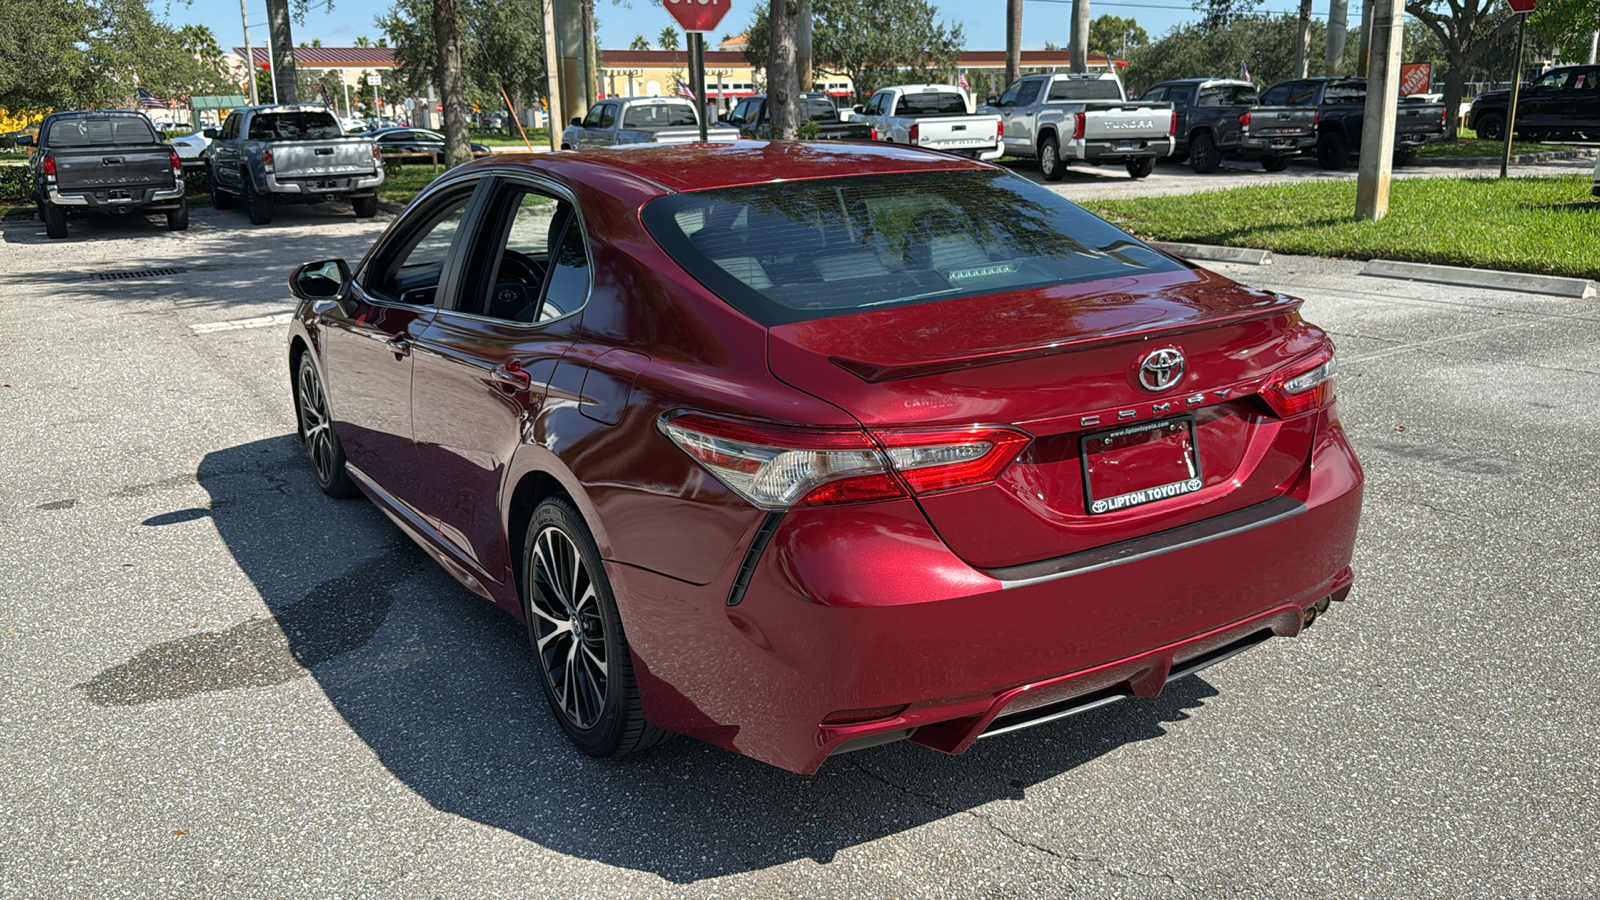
568 627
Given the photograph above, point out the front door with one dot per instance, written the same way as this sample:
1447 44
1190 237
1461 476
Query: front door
1540 107
485 362
367 343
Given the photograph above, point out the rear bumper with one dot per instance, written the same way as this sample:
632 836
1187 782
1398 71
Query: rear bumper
270 183
103 200
865 609
1116 150
1257 147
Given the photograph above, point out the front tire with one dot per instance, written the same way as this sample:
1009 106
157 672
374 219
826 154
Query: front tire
178 219
1492 127
1050 163
578 643
220 198
55 219
316 431
1331 152
1141 168
1203 155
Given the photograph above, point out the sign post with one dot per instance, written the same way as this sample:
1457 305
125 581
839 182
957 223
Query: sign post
1522 9
698 18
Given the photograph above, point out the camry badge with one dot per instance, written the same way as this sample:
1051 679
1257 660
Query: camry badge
1161 369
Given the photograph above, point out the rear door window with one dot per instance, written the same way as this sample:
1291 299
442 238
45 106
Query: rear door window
107 131
792 251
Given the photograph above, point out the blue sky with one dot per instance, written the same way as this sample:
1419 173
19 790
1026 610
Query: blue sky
983 21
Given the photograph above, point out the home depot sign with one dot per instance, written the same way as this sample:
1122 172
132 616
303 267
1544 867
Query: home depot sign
1415 78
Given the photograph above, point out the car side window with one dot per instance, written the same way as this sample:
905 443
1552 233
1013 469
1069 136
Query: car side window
1553 80
1009 98
1029 93
1302 93
608 115
1277 95
407 269
1155 95
533 246
230 128
592 120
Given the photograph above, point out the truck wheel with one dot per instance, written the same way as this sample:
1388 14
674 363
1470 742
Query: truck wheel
1274 163
178 219
55 219
365 207
1140 168
258 205
1203 155
220 198
1492 127
1331 152
1404 157
1050 159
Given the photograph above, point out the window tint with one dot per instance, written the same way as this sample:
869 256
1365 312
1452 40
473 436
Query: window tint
1085 89
653 116
608 115
408 269
1553 80
878 104
567 288
810 249
431 136
739 112
1221 95
1277 95
1155 94
1299 93
108 131
1009 98
1344 92
818 109
1029 92
540 270
932 103
295 126
592 120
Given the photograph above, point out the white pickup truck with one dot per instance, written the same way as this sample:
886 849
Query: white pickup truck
935 116
1083 116
640 120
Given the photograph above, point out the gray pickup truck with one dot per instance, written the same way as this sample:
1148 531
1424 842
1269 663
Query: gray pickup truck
264 155
105 161
1082 116
640 120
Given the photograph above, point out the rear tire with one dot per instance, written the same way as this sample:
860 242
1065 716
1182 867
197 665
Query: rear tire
178 219
259 206
1141 168
1203 156
578 644
365 207
1331 152
1274 163
55 219
1050 164
1492 127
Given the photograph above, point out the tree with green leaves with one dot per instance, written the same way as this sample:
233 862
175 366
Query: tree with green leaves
668 39
1467 30
502 46
1267 43
1115 36
872 42
640 42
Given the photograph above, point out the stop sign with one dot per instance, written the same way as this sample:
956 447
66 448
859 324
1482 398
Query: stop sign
1522 6
698 15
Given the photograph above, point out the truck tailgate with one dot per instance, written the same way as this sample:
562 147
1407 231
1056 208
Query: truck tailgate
1282 121
100 168
310 159
957 132
1419 119
1134 122
677 135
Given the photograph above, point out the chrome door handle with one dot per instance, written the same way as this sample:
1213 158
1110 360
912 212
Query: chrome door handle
400 345
511 375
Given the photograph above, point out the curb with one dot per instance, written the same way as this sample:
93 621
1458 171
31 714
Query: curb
1579 288
1517 159
1245 255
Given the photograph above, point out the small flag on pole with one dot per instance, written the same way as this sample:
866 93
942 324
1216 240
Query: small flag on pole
148 100
683 91
961 81
1244 71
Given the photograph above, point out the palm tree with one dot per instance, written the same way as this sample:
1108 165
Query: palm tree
363 41
639 43
668 39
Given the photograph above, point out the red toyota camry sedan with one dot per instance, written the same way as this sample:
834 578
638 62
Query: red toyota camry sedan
802 448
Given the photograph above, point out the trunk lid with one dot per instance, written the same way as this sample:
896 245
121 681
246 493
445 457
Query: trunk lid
314 159
105 168
1062 364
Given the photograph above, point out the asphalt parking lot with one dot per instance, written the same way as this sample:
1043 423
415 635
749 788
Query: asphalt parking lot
218 682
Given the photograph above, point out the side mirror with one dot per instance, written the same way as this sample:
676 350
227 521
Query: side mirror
860 110
993 100
325 280
25 141
211 133
577 123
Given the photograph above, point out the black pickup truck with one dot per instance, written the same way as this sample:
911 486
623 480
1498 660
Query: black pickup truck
1223 119
104 161
750 117
1563 103
1340 104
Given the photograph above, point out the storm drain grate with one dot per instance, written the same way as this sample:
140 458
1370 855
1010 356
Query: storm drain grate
138 273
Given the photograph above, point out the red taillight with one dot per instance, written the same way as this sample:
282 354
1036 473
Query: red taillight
375 154
874 132
778 467
1172 128
1316 117
914 133
1306 386
1244 120
266 157
177 164
49 167
1444 114
999 128
1077 126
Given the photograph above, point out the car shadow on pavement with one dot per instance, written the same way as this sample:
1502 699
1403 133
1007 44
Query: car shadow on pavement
441 686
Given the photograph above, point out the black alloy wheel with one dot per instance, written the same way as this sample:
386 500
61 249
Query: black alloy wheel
1492 127
316 430
1204 158
583 656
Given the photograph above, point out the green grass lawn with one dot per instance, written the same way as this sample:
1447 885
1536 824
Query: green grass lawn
1468 144
536 136
1543 225
401 186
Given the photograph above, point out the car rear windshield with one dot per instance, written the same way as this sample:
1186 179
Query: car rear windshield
931 103
655 116
792 251
105 131
295 126
1084 89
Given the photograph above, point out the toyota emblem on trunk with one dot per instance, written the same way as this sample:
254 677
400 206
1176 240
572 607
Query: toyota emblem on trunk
1161 369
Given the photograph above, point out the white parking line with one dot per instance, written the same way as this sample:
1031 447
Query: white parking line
236 324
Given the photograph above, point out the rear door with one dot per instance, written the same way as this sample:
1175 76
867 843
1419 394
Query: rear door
485 362
1541 105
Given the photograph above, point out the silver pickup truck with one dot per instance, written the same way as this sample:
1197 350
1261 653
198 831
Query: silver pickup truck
934 116
640 120
1082 116
264 155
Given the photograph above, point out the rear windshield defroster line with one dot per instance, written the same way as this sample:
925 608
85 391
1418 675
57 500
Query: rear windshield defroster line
793 251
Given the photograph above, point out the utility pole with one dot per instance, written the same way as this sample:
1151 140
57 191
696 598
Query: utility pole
1516 89
249 55
1378 119
1364 50
285 83
1338 24
552 76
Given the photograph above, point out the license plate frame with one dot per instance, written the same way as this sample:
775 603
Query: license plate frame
1171 440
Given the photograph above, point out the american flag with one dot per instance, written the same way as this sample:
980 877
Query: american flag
683 91
961 81
1244 71
148 100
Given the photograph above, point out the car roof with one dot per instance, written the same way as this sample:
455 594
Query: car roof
696 167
